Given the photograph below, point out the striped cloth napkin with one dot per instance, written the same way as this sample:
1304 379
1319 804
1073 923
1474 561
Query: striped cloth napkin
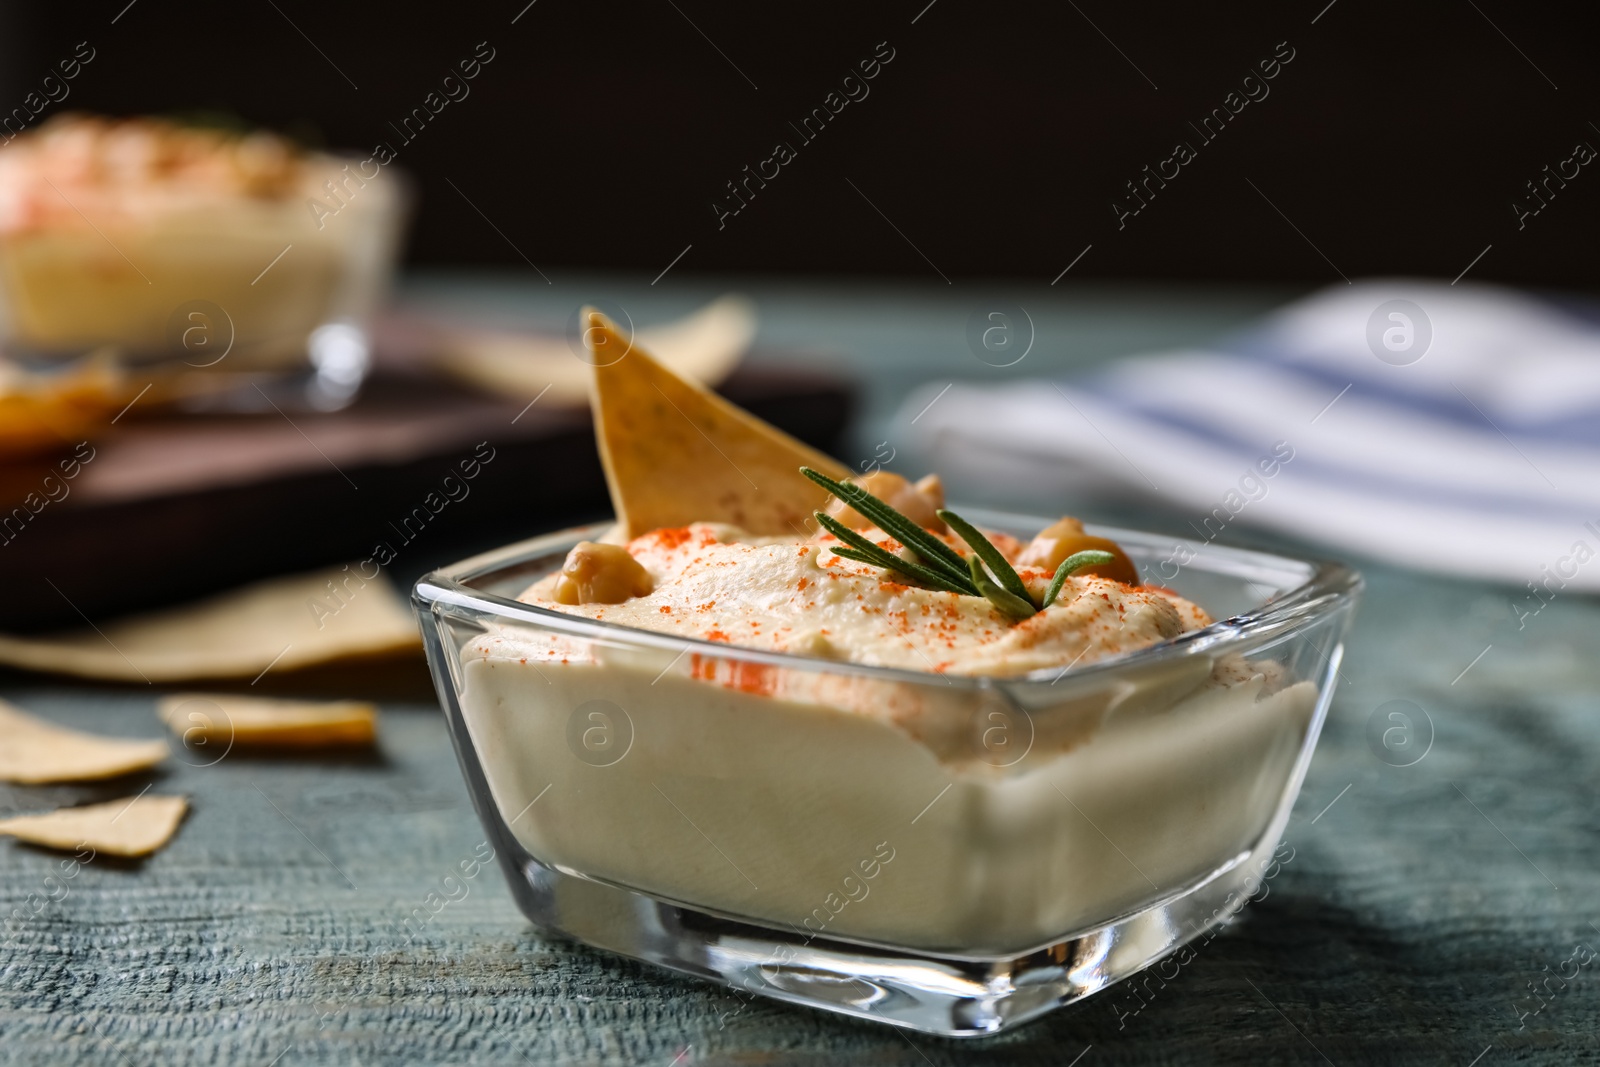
1449 428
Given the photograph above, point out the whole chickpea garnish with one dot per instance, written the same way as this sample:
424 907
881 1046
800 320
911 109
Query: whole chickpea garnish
601 574
1064 537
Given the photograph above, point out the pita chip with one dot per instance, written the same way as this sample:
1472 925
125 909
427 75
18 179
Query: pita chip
224 719
33 751
279 624
703 346
134 826
674 452
706 345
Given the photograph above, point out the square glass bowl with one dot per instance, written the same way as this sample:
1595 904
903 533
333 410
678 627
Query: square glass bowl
951 854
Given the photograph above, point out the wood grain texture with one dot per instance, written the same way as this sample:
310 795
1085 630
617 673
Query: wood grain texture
1405 930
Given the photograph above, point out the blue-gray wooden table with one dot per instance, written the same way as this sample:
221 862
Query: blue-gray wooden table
316 911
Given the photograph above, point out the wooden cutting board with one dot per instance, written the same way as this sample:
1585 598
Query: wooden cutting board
171 509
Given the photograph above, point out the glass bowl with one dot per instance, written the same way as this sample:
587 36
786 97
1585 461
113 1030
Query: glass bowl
947 853
282 284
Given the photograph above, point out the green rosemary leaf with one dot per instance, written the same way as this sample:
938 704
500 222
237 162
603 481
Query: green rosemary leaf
1008 602
1089 557
988 553
930 578
864 551
932 551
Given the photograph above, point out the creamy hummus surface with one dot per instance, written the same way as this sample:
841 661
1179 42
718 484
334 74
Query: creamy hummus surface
712 581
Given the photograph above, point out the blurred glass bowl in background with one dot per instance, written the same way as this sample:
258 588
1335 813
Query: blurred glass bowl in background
194 247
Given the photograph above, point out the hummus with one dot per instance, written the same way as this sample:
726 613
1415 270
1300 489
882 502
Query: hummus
714 582
940 815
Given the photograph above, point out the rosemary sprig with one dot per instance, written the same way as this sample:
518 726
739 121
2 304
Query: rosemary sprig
1018 607
933 552
990 555
864 551
1089 557
910 570
937 564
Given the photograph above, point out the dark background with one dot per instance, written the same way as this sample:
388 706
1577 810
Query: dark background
996 140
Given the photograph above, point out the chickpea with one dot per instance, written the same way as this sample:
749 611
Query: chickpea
1062 538
918 502
601 574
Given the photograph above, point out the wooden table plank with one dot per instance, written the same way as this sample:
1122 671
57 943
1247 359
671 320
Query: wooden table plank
1420 903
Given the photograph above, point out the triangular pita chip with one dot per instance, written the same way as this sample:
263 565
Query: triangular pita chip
281 623
135 826
674 452
703 346
33 751
223 719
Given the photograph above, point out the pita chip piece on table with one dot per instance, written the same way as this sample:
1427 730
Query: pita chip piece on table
653 425
225 719
34 752
281 623
131 827
704 346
